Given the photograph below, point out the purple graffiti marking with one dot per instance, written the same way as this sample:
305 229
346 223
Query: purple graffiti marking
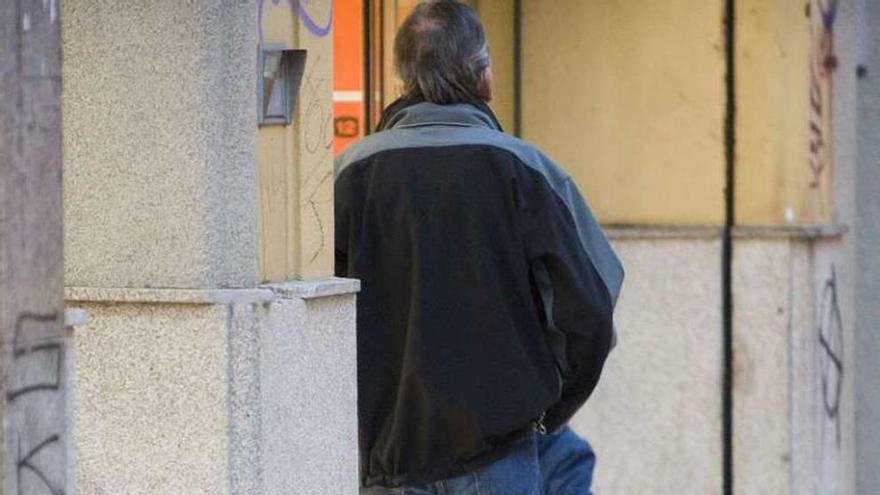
829 14
296 6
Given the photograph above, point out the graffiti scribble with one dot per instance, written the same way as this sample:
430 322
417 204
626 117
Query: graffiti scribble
27 462
36 359
831 363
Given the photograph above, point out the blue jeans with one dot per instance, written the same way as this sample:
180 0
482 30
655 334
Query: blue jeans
559 463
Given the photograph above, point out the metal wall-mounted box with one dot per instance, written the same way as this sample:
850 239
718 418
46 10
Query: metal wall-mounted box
279 74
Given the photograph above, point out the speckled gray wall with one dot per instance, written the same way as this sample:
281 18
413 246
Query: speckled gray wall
308 397
187 396
159 142
867 233
151 399
655 418
785 435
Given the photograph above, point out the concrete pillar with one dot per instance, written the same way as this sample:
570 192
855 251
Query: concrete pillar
193 375
35 384
867 234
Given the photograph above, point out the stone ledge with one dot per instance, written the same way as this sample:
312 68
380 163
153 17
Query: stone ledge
646 232
311 289
264 294
167 296
627 232
807 231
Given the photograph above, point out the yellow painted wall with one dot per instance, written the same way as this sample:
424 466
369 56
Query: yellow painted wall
776 45
295 162
497 17
394 12
629 98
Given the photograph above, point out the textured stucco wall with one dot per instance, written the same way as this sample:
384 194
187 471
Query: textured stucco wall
159 141
793 405
150 413
762 285
776 379
242 398
833 471
309 397
655 419
187 386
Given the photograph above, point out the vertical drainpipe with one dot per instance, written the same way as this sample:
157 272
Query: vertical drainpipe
727 250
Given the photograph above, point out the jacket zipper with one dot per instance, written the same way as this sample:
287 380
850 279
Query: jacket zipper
539 424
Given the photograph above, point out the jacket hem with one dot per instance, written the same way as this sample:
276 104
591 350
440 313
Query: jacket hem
479 462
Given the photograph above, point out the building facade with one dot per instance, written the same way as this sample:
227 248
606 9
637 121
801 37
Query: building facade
728 146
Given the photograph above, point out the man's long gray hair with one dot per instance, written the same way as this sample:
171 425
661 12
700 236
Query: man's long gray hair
441 53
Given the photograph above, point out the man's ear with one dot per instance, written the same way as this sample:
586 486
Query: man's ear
486 84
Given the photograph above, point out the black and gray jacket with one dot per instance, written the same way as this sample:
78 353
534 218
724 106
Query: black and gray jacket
487 291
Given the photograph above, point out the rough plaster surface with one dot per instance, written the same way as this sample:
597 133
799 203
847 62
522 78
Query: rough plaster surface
803 401
765 274
150 412
245 324
159 143
309 395
834 413
792 403
239 398
655 419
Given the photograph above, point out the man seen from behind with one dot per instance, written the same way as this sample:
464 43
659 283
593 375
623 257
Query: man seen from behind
488 288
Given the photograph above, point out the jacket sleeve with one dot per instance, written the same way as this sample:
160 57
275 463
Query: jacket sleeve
578 277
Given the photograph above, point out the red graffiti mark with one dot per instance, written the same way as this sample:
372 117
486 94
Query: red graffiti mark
823 63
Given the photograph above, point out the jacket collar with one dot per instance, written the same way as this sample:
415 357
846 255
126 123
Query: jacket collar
405 113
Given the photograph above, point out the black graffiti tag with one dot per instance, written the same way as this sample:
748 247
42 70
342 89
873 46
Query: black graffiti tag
831 363
36 355
27 463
